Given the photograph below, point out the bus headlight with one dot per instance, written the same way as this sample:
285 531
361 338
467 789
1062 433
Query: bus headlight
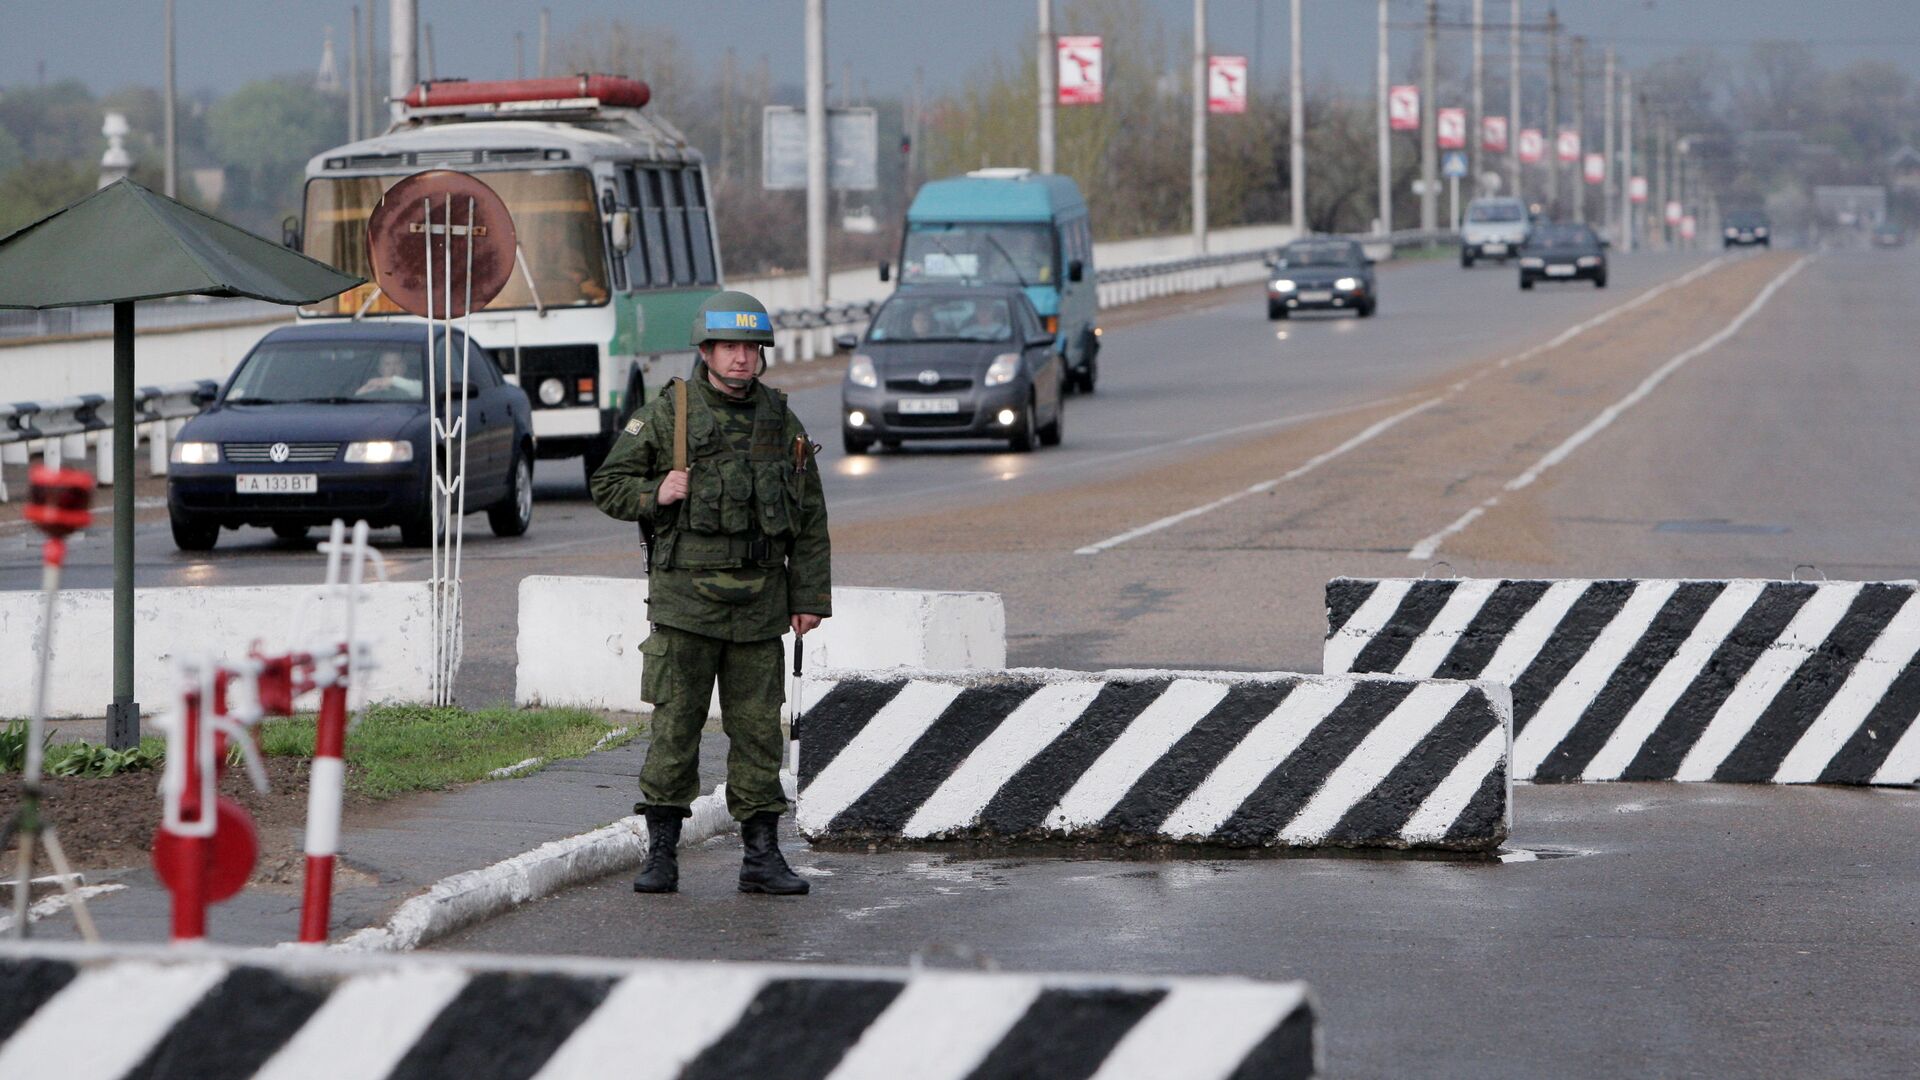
383 452
860 371
195 453
1003 369
552 392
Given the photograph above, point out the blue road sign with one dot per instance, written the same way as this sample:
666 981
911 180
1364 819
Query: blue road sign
1454 163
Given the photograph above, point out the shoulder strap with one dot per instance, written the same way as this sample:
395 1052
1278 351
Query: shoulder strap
680 424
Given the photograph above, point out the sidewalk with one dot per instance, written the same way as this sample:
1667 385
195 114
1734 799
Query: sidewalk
417 841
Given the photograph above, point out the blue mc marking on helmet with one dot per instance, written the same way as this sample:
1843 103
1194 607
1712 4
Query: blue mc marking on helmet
739 320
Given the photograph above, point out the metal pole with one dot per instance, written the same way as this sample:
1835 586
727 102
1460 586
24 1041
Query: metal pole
353 79
367 106
1626 161
1606 120
519 55
1297 132
1660 180
123 715
546 17
1479 89
816 46
1553 112
403 34
428 71
167 106
1513 101
1579 180
1429 163
1044 62
1384 133
1199 127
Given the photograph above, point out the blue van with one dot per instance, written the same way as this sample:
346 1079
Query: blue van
1012 227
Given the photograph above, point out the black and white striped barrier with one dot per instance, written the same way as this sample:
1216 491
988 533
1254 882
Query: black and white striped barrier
70 1012
1154 757
1785 682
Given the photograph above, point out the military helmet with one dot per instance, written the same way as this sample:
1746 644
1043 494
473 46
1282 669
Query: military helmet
732 316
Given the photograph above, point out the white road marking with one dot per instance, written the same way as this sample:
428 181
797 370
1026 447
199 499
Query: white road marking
1200 1031
941 1027
1361 771
1346 644
1866 684
1762 682
1027 730
1443 806
1562 709
1675 676
687 1008
144 1001
1425 549
1266 746
366 1025
1381 427
1441 635
874 750
1152 734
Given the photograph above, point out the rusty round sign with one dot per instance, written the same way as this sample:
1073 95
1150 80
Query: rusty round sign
411 225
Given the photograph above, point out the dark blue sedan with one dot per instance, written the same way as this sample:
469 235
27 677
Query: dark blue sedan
330 421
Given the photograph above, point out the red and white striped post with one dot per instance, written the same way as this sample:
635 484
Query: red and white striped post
190 884
326 788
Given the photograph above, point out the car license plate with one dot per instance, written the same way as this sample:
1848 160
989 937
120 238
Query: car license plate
1312 295
1494 249
929 405
1559 271
276 483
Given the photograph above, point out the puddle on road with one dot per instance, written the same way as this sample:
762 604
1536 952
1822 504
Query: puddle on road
1538 854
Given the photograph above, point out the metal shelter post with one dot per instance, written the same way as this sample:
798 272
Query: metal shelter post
123 715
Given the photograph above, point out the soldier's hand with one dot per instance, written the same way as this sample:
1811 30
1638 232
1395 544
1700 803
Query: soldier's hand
672 489
804 623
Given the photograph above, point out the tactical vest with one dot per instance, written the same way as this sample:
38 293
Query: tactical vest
741 505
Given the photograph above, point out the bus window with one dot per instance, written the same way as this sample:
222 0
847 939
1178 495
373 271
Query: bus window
646 186
637 271
699 228
667 181
616 196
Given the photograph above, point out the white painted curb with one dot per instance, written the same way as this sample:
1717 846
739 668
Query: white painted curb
478 895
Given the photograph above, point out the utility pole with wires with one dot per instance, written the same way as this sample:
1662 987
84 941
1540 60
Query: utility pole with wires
1385 133
1553 112
1297 132
369 105
1578 181
1626 161
1607 182
1477 120
1429 159
353 78
1046 57
816 98
1199 127
1513 101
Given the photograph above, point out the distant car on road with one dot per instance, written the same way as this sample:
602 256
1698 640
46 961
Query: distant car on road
1494 229
1745 228
329 420
954 362
1328 273
1889 236
1563 252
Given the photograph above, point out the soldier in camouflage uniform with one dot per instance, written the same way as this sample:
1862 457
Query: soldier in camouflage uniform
738 555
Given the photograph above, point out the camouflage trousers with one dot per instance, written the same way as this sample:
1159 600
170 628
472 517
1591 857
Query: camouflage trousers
679 669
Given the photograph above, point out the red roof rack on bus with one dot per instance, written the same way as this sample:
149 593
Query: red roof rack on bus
571 91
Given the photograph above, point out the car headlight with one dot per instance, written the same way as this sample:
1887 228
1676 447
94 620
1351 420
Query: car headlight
1733 232
1759 230
1532 262
860 371
1347 284
194 453
1588 260
382 452
552 392
1003 369
1282 285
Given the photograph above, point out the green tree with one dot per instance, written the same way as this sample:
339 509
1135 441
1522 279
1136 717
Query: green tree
38 188
264 133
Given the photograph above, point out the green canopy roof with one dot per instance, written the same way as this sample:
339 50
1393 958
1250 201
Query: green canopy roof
124 242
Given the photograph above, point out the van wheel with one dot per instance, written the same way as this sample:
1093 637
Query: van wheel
1084 378
191 535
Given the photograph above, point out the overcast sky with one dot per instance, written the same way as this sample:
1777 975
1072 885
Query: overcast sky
223 43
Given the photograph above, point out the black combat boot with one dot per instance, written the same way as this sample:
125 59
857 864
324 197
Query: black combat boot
662 872
764 870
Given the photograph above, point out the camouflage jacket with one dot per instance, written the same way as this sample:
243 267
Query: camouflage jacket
748 546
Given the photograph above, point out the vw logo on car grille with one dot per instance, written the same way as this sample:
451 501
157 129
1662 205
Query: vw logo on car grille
929 377
278 452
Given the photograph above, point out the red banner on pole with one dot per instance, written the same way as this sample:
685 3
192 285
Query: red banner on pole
1533 146
1079 68
1674 212
1596 168
1226 84
1403 108
1493 134
1450 128
1569 145
1688 227
1637 189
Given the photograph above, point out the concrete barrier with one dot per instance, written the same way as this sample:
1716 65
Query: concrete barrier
579 636
77 1012
1747 681
1155 757
193 623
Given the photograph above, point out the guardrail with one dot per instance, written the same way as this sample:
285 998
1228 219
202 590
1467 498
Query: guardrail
802 334
148 315
61 430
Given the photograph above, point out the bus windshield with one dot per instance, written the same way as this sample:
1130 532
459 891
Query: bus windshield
553 217
998 254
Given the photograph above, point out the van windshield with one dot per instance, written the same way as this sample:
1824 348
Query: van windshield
979 253
1496 212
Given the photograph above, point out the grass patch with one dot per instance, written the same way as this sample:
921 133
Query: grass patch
395 749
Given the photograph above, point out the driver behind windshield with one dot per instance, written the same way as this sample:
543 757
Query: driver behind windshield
398 376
